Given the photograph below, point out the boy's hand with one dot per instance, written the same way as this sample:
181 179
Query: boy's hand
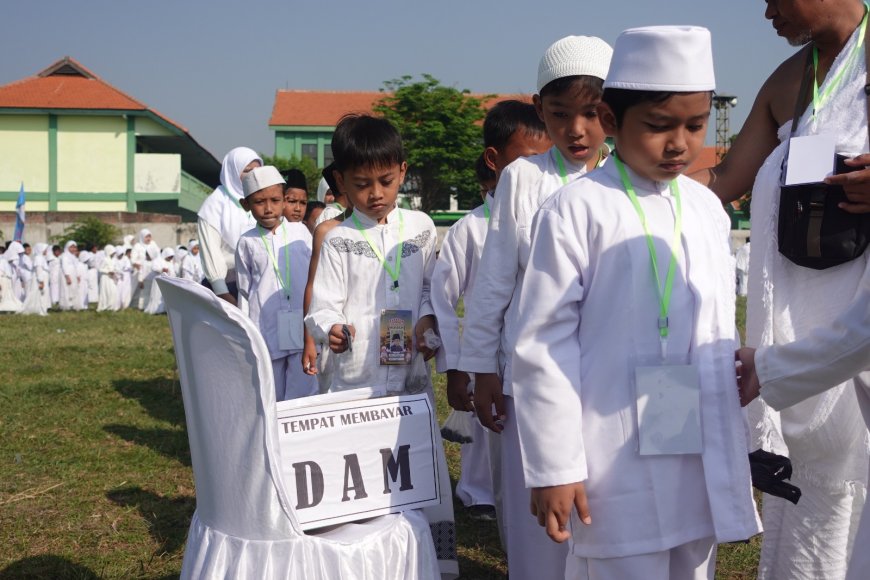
309 357
856 185
457 391
425 323
337 342
488 392
747 379
552 506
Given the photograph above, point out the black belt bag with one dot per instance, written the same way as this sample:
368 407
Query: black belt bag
812 231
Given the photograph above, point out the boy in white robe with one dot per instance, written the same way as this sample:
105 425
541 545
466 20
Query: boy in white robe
271 269
375 268
570 75
54 277
626 337
511 129
68 296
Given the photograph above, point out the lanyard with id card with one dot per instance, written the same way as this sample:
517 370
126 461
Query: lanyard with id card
668 396
290 335
395 337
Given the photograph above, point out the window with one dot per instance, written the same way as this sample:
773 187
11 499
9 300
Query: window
310 151
327 155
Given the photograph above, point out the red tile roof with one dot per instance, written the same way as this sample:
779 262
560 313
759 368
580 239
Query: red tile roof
325 108
707 158
67 84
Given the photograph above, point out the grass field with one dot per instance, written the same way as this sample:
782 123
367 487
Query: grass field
95 477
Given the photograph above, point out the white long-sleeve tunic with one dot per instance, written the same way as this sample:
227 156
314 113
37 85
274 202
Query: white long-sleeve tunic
589 316
454 276
352 287
258 283
491 309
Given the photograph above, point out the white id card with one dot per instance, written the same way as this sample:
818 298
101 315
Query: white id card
811 158
668 409
290 330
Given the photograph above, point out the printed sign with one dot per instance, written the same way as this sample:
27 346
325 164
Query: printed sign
358 459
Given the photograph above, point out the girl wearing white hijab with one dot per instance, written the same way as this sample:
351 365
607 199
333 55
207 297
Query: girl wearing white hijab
222 221
108 282
38 298
69 277
124 276
54 277
141 260
82 267
165 266
191 266
9 302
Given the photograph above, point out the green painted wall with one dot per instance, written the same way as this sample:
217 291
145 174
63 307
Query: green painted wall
24 152
289 141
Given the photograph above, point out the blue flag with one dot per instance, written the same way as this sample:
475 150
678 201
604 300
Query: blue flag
19 215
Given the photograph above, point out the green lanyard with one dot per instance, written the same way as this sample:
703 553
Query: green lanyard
819 100
394 271
281 282
560 163
663 293
337 206
486 209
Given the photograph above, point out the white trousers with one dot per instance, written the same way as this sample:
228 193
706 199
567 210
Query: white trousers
691 561
531 554
291 382
475 480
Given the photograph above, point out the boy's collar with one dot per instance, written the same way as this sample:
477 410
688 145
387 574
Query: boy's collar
369 222
570 165
639 183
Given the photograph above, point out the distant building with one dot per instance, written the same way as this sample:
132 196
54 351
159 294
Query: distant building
79 144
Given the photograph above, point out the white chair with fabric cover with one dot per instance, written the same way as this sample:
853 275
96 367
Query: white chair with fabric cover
244 526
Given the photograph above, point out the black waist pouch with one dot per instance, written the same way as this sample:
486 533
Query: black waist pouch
813 232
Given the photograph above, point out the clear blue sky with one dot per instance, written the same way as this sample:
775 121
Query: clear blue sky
214 65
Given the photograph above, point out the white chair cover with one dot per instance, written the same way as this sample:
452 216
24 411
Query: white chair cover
244 526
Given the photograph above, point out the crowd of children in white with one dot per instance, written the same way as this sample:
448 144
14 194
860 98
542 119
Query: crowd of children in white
34 279
597 347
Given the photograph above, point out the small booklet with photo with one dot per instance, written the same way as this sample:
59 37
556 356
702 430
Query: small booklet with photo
395 343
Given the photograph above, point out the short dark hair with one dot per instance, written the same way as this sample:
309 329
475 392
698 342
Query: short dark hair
485 174
594 86
329 175
506 118
55 247
296 179
312 205
621 100
366 141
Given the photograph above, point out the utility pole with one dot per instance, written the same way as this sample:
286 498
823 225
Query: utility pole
722 104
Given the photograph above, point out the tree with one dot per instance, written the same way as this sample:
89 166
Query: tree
88 232
440 127
305 165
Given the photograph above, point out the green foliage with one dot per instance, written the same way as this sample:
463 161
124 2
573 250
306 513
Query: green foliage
441 130
88 232
305 165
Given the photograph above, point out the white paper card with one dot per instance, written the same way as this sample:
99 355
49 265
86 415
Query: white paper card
668 409
290 330
811 158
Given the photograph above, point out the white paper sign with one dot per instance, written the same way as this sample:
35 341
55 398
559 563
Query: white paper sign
811 158
668 409
353 460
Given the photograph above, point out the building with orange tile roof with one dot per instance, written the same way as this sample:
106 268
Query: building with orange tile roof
79 144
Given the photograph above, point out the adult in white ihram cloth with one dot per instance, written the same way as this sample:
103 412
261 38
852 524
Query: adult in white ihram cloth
491 310
108 282
38 300
68 298
9 301
164 265
453 277
824 436
222 221
268 297
589 306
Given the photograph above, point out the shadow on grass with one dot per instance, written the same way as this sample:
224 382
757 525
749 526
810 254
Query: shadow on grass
41 567
161 399
168 518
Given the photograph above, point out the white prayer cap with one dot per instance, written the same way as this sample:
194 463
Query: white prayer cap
574 56
261 178
322 188
662 58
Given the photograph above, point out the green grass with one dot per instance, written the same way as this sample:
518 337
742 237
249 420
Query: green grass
95 477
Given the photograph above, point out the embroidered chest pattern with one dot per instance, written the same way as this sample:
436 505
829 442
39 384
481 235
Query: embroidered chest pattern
361 247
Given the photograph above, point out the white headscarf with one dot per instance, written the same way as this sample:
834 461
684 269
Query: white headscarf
120 251
221 210
68 245
143 233
109 250
322 188
128 240
13 251
167 252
